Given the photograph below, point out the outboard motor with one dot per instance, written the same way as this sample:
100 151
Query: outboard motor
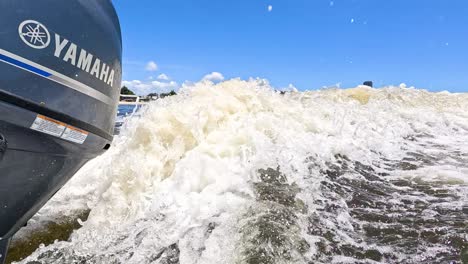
60 77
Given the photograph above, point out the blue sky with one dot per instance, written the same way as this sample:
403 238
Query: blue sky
307 43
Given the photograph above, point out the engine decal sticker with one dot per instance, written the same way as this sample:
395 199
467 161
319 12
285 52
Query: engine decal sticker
52 75
74 134
59 129
48 126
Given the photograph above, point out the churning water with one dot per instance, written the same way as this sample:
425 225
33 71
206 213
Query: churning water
238 173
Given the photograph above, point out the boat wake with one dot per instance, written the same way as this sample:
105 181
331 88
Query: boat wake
238 173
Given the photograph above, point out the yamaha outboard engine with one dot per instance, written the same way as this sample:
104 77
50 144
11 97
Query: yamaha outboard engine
60 76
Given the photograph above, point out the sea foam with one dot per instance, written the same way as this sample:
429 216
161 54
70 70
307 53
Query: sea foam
237 172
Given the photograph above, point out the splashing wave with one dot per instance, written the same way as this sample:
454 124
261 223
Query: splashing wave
237 173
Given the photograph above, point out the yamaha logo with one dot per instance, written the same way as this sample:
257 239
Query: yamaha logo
34 34
37 36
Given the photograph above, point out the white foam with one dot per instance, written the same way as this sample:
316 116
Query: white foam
189 160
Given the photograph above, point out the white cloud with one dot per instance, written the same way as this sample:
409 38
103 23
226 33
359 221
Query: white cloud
144 88
163 77
164 85
151 66
270 8
214 77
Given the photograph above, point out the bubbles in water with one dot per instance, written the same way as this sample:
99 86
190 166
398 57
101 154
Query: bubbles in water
238 173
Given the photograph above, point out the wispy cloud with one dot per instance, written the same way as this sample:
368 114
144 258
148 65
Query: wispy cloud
151 66
163 77
165 85
214 77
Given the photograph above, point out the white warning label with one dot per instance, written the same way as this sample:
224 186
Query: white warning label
74 134
56 128
48 126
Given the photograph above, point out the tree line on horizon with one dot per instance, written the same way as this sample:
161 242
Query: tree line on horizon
126 91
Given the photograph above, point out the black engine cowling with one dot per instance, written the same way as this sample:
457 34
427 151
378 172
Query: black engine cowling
60 76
